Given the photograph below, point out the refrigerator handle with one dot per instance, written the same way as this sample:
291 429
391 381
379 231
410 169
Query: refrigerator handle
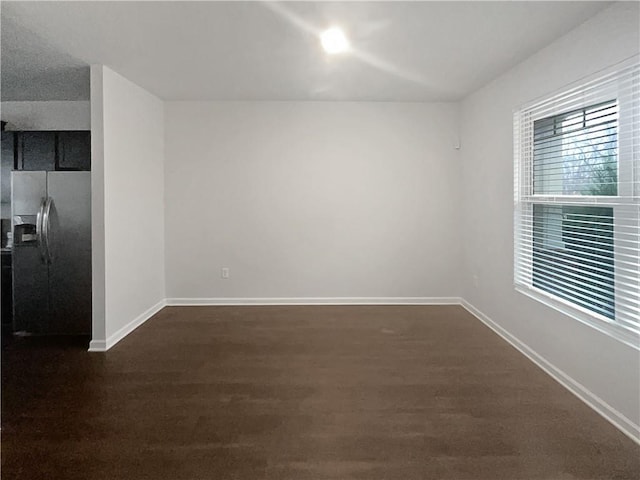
39 230
46 217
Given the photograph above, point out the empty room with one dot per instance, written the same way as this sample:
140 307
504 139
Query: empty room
320 240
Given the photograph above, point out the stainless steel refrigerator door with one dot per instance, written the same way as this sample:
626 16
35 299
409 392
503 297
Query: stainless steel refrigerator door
30 273
68 232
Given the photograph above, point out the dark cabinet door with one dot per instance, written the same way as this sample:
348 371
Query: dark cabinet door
7 148
6 166
36 151
74 151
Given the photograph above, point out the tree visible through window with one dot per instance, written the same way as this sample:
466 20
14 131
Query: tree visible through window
575 154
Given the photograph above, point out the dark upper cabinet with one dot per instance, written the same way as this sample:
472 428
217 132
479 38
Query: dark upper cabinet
36 151
51 150
7 147
6 165
74 151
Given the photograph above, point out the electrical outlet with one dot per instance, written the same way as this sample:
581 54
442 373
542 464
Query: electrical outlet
475 280
225 272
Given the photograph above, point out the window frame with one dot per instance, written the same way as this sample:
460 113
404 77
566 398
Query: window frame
625 204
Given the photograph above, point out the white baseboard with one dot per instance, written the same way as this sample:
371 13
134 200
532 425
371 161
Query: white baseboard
616 418
97 346
103 346
316 301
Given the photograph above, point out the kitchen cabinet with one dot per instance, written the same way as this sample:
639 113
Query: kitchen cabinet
53 150
36 151
6 165
74 150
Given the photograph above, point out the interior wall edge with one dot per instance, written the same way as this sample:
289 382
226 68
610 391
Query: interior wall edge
613 416
98 260
103 346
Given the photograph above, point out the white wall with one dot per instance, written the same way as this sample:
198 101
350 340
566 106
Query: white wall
52 115
608 369
128 213
311 200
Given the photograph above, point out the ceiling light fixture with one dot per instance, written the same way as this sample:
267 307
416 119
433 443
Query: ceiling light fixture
334 41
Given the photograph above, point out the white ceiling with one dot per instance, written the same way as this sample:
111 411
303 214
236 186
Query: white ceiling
404 51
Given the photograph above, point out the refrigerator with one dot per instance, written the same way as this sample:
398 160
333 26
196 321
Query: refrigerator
51 222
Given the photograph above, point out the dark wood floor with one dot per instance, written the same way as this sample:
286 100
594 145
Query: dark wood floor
299 393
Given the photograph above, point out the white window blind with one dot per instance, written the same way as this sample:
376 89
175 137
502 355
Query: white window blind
577 201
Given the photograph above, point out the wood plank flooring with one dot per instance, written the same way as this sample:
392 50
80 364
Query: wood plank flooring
398 392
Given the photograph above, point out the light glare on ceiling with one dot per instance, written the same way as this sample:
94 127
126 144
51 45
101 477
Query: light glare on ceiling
334 41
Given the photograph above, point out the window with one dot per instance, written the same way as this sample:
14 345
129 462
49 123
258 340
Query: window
577 201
